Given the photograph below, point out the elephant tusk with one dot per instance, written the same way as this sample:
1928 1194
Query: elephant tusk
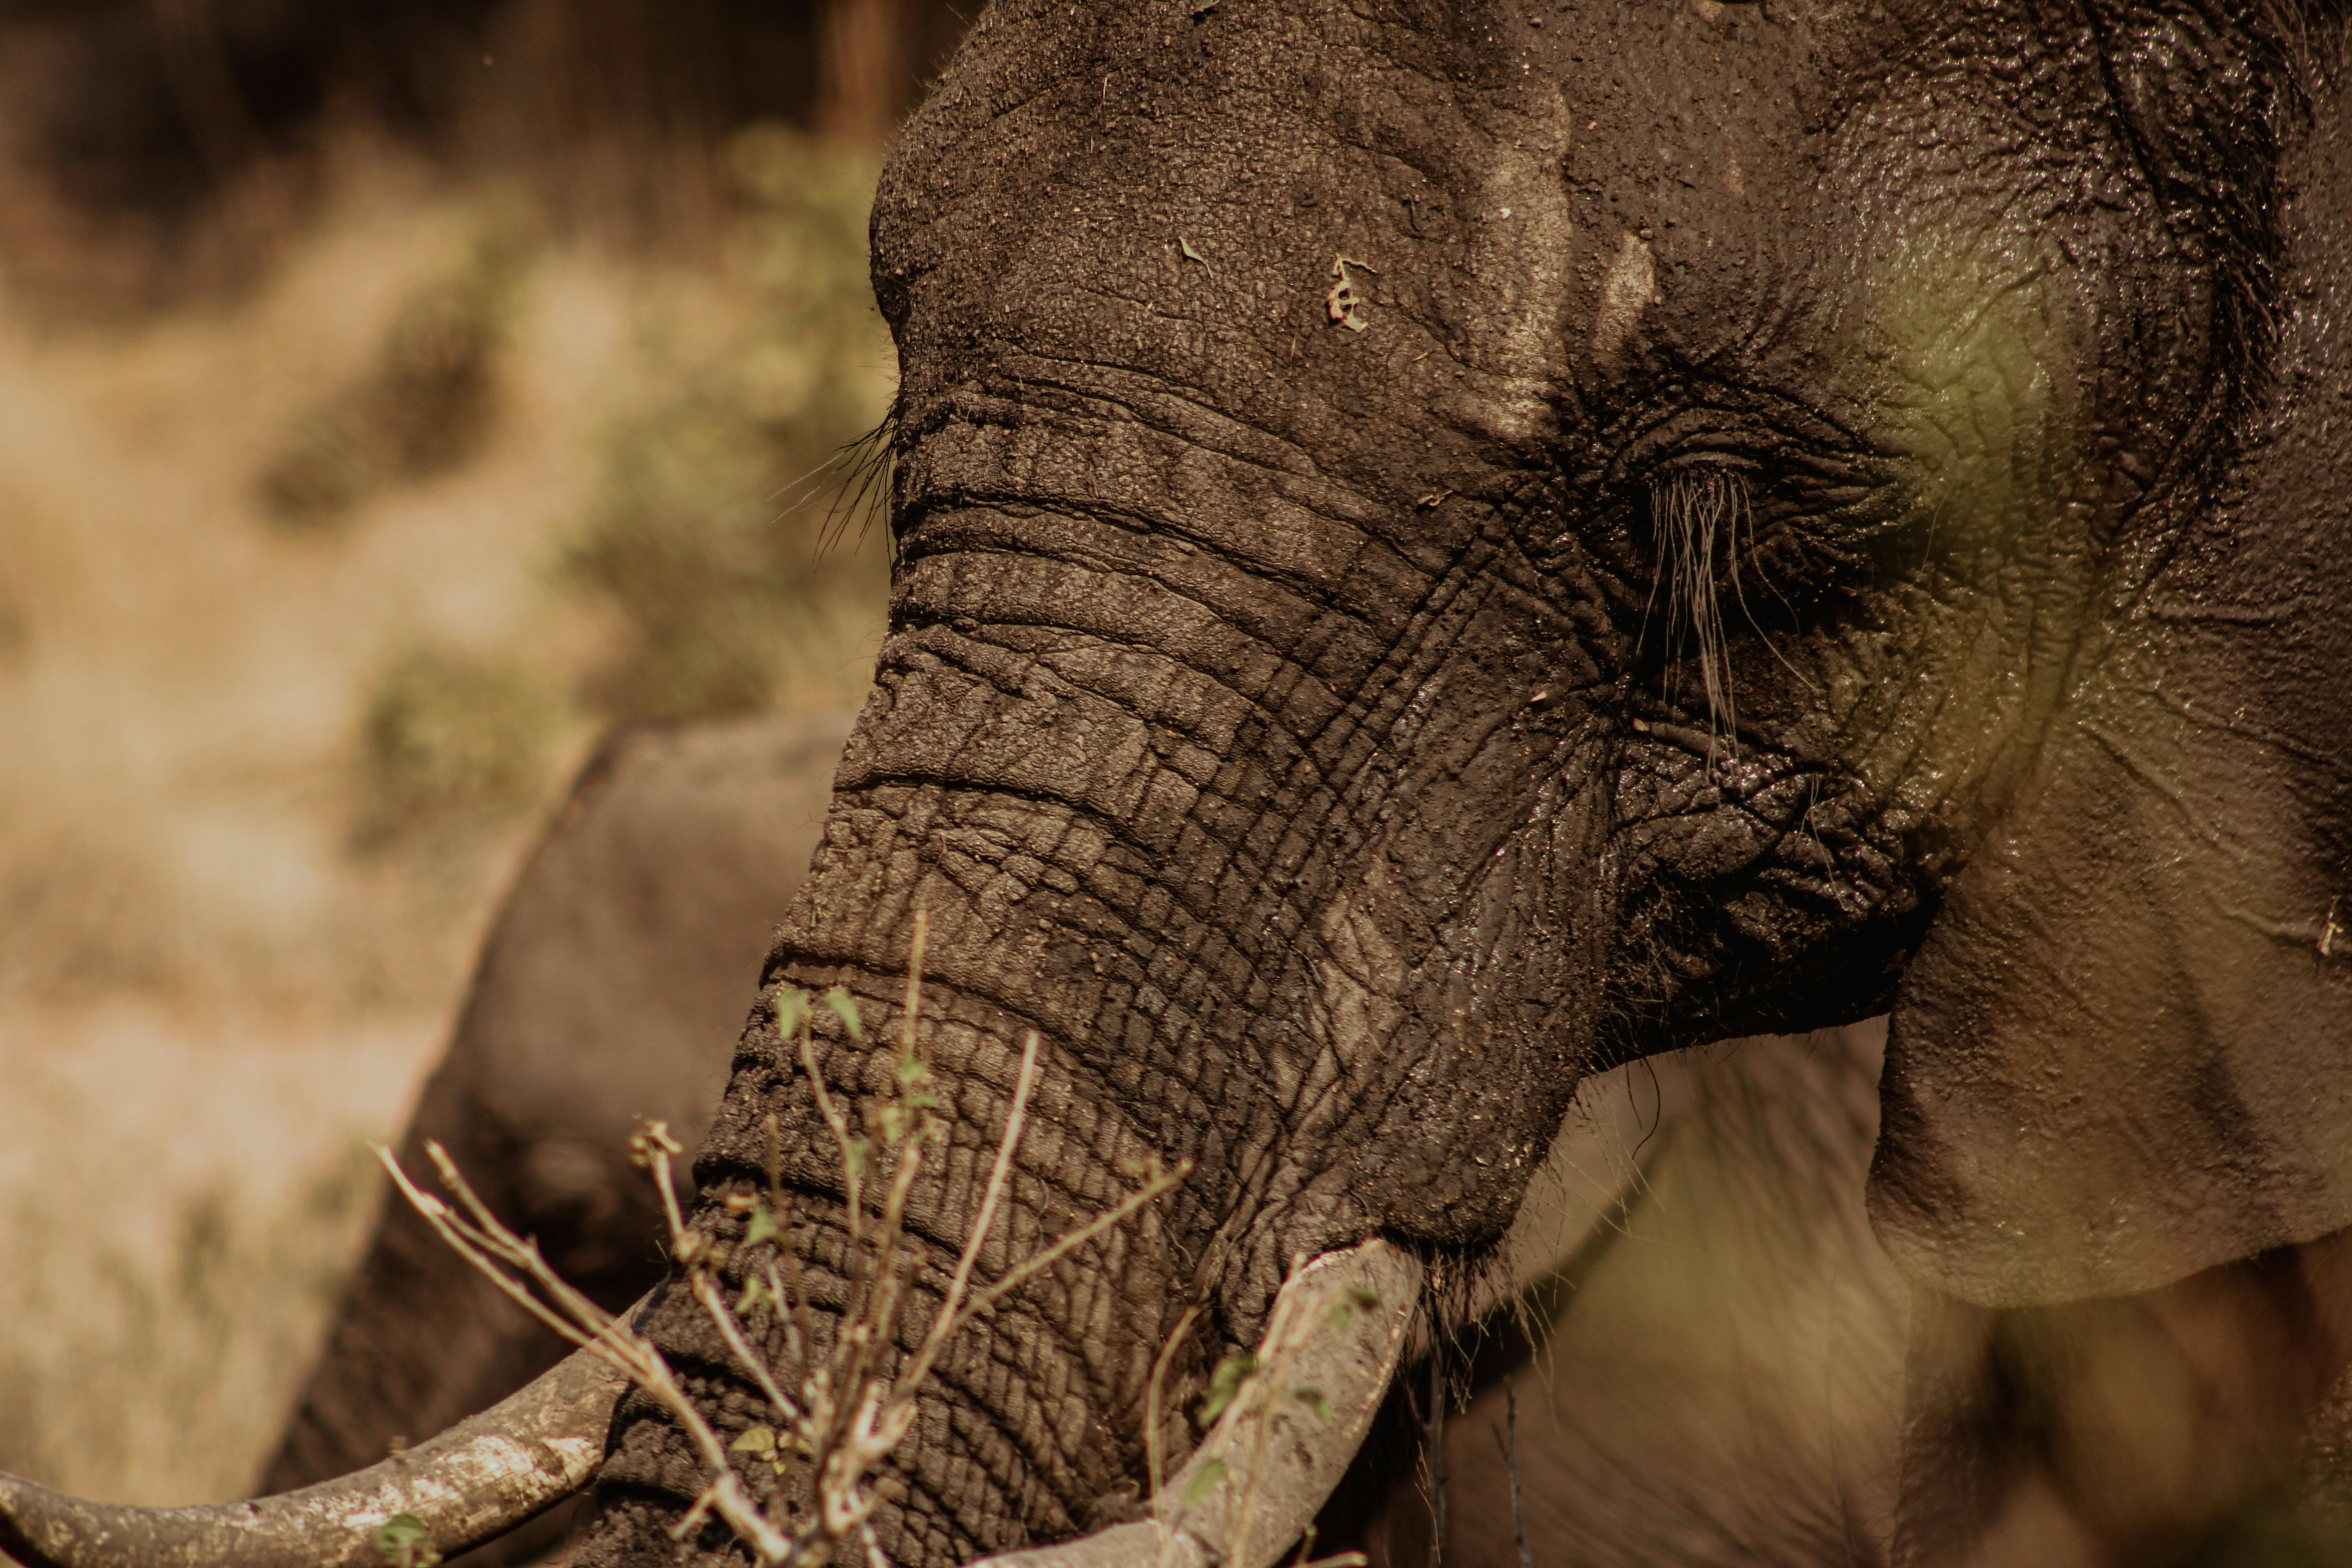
480 1477
1265 1469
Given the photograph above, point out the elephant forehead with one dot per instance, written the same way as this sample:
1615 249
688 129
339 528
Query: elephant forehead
1402 247
1319 224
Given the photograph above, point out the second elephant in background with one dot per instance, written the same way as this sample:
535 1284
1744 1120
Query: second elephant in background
610 991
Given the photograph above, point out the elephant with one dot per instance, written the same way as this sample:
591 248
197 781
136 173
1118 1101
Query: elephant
1440 549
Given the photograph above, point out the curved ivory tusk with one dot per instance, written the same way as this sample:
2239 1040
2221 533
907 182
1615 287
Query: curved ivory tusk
482 1476
1259 1478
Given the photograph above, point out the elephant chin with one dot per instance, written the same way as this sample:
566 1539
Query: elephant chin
1248 1492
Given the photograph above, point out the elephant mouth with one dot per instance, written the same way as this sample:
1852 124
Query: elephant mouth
1247 1492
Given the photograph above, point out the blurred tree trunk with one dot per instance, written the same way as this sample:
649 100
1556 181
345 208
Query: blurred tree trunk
615 104
868 79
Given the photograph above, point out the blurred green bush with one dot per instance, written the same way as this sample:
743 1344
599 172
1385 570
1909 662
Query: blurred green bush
738 539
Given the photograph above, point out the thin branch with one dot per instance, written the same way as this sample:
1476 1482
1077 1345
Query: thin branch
1152 1455
850 1158
707 1292
914 1004
612 1341
945 1323
847 1418
1094 1227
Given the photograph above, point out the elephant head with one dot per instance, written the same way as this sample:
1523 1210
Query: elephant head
1441 547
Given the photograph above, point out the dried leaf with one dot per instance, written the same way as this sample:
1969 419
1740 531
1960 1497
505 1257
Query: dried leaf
1186 246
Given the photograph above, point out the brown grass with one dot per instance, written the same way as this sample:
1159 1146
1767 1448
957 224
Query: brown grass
299 629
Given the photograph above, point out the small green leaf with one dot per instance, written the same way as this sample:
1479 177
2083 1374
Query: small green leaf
754 1440
1226 1383
890 1120
1313 1399
765 1226
844 1007
1211 1474
403 1541
911 1071
790 1006
755 1296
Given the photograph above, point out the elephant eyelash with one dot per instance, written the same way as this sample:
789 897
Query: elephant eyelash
1704 520
1699 516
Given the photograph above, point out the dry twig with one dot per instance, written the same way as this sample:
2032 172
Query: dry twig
842 1418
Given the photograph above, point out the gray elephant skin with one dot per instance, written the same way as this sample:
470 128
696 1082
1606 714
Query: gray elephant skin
1440 549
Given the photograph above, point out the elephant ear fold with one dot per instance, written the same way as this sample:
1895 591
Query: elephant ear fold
2124 1053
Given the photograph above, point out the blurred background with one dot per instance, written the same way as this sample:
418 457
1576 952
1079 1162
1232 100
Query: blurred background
395 395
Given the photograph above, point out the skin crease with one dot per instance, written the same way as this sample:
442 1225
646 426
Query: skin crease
1281 718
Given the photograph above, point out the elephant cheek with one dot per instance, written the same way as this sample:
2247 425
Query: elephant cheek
1439 1089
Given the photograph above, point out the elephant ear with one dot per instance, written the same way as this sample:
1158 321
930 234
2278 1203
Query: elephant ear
2124 1053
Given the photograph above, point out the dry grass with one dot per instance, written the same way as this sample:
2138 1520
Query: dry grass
295 639
149 1320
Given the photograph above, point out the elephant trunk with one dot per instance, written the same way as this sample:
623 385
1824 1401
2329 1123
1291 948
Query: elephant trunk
1101 860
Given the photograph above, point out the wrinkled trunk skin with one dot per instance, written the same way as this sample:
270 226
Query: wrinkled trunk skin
1200 772
1273 715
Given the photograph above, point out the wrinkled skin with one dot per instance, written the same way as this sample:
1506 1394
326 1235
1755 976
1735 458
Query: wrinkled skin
1750 1303
624 960
1320 736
